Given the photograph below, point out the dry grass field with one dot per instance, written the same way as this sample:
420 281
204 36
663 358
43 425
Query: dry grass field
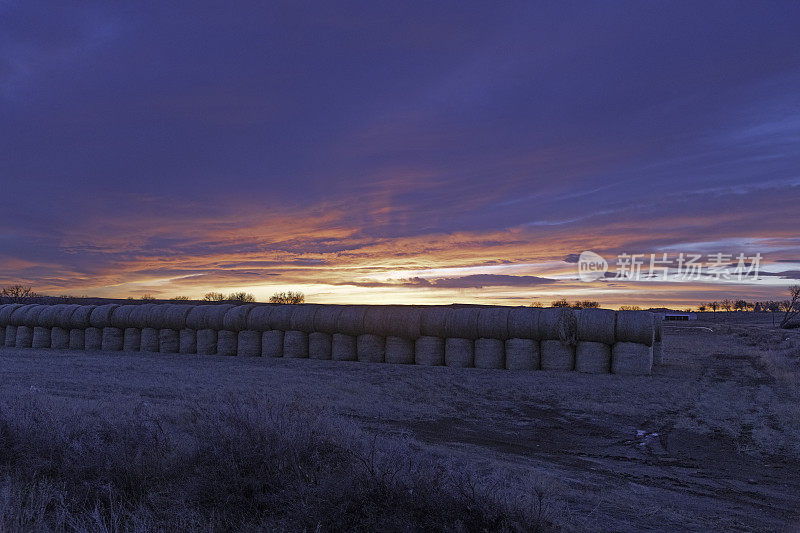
710 441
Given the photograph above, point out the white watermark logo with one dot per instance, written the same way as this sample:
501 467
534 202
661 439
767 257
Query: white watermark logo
671 267
591 266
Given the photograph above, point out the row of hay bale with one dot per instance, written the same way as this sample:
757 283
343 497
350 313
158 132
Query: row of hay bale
590 340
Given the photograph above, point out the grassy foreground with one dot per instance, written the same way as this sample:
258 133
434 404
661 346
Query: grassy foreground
244 466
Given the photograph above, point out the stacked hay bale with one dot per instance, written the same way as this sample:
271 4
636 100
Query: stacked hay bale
59 333
103 335
20 335
42 330
258 319
320 341
492 334
208 321
429 347
632 354
27 333
522 349
130 336
596 334
558 328
248 342
9 330
79 321
349 325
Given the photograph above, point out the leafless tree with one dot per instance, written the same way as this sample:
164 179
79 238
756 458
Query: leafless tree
287 298
213 297
18 293
792 308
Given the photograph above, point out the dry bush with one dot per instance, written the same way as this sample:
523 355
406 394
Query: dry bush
242 297
247 466
213 297
287 298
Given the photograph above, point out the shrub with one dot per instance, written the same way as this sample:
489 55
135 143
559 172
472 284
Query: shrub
243 297
179 298
214 297
287 298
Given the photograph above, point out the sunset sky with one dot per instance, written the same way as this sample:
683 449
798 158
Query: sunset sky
397 152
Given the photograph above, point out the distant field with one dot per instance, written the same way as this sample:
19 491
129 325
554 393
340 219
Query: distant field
711 441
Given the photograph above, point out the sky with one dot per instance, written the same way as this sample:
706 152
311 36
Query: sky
399 152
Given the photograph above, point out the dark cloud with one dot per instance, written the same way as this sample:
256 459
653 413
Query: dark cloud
572 258
560 125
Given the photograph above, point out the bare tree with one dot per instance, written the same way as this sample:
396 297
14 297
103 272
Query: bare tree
243 297
713 306
213 297
287 298
18 293
792 308
727 305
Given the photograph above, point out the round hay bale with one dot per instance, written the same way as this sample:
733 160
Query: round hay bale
149 340
47 317
523 323
343 347
2 335
319 345
112 339
236 318
207 317
272 343
41 337
93 339
596 325
258 318
207 342
658 353
295 344
64 316
174 316
17 317
631 358
132 340
101 316
24 337
371 348
433 321
558 324
11 336
493 323
522 354
351 321
59 338
377 320
281 317
79 318
557 355
121 317
169 341
635 326
302 318
405 322
462 323
326 319
459 352
139 317
31 318
5 313
400 350
429 351
226 342
593 357
77 339
187 343
248 344
489 353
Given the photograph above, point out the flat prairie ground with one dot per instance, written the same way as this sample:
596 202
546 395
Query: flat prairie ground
710 441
